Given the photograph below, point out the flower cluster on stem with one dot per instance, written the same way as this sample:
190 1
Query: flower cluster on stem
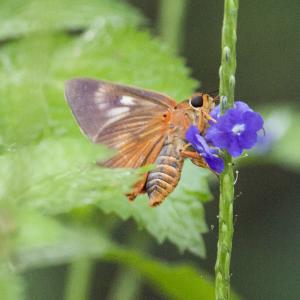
235 131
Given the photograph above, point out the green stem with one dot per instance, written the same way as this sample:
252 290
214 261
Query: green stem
127 284
226 90
78 280
228 61
171 20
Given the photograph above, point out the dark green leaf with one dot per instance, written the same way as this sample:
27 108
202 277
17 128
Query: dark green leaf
19 17
47 165
11 285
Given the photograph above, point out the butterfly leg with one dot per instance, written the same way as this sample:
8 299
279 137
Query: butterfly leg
203 121
195 157
138 188
202 124
197 160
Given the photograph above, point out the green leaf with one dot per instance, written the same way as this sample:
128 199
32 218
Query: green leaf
67 180
38 240
36 68
27 112
285 150
125 55
177 281
47 165
280 145
72 243
11 285
19 17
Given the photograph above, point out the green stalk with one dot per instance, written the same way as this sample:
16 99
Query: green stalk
228 61
78 281
126 286
171 20
226 90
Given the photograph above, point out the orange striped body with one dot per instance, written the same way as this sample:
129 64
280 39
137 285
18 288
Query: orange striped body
163 179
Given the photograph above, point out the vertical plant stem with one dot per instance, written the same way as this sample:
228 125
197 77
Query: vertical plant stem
171 20
78 281
227 85
127 284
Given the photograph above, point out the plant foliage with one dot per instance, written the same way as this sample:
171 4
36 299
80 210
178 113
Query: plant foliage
47 167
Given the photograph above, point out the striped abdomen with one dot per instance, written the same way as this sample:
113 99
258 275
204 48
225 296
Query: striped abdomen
164 177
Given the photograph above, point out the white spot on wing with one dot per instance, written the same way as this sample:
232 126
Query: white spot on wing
111 114
102 105
101 101
99 95
127 100
117 111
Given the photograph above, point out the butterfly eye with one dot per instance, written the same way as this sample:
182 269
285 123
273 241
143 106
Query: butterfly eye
197 101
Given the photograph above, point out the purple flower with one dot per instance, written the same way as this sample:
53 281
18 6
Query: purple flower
209 154
236 130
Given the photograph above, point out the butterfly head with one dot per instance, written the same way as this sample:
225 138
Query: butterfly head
196 110
202 102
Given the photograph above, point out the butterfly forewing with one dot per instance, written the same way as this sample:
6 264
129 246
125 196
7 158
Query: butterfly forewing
128 119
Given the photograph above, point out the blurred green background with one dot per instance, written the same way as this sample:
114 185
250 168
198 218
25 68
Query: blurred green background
66 230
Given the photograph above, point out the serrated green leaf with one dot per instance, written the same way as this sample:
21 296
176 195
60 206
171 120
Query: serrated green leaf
48 165
36 68
19 17
67 181
127 56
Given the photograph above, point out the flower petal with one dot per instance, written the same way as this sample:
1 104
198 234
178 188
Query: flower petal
215 113
236 129
191 133
203 143
215 163
191 137
198 142
248 139
234 148
217 138
242 106
253 121
229 119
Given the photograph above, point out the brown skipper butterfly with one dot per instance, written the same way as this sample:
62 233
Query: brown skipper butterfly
144 127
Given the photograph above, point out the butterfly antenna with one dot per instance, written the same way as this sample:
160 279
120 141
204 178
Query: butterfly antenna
214 92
